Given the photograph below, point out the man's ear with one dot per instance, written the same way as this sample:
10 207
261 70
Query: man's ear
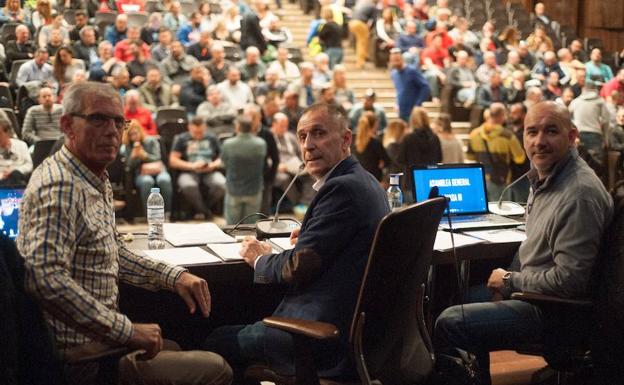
347 137
67 125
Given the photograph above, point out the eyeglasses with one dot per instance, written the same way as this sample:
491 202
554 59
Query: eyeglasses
101 120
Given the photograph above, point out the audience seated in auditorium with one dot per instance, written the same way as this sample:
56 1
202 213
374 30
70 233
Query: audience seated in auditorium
200 49
615 84
271 87
576 48
102 68
305 88
37 71
451 146
251 68
234 90
292 109
462 77
552 89
162 48
547 65
174 19
58 26
218 66
411 87
123 50
596 70
367 104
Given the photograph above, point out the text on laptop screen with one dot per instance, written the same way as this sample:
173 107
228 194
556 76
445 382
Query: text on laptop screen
462 185
10 200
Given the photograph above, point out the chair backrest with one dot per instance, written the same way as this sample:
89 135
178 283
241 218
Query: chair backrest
137 19
13 118
7 32
187 8
15 65
42 150
170 115
27 349
168 131
6 98
388 325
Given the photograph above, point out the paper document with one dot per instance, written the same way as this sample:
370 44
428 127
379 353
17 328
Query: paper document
282 242
228 251
183 256
499 236
443 241
180 234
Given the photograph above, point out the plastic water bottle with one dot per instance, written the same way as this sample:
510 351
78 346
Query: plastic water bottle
155 219
394 194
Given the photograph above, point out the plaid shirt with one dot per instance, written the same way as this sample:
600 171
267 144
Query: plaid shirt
72 255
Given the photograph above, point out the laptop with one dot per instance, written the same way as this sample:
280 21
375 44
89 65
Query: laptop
10 199
464 185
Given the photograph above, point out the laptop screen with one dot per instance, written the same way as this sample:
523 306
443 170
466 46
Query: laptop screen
10 199
463 184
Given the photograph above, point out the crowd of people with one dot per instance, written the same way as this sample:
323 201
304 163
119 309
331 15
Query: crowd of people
180 60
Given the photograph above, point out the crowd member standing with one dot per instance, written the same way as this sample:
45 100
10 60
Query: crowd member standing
243 158
411 87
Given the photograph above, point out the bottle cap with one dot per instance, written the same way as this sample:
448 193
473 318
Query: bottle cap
155 190
394 179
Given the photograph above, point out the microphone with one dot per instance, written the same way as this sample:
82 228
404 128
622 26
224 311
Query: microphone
508 207
434 192
272 228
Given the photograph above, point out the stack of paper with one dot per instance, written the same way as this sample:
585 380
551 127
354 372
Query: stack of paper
443 241
226 251
179 234
182 256
499 236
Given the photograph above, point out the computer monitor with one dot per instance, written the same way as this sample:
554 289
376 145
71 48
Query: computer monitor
462 183
10 199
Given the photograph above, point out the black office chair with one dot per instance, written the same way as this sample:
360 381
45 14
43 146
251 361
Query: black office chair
41 151
27 349
170 115
15 65
7 32
6 98
388 336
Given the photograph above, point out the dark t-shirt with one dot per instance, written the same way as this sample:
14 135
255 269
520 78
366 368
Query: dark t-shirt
206 149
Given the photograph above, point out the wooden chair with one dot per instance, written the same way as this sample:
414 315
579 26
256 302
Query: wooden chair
388 337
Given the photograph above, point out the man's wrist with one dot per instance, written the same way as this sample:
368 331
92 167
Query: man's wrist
507 282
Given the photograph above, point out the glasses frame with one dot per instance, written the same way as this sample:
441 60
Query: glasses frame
121 124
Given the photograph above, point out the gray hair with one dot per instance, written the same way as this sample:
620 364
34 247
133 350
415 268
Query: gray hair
77 95
5 122
244 124
333 113
84 30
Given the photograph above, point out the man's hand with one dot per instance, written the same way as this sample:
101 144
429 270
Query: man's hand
495 282
194 291
294 235
252 248
146 337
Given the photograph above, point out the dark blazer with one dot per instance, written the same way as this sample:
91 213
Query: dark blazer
12 53
81 52
485 96
324 270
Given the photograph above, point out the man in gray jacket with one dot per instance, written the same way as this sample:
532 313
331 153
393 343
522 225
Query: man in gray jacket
567 213
591 116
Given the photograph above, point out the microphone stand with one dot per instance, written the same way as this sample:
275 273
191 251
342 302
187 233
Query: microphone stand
272 228
499 205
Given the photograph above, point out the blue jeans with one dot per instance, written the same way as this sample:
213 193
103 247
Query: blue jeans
238 207
481 327
335 56
240 345
163 180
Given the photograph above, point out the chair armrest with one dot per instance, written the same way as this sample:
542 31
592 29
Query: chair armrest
94 351
312 329
543 298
